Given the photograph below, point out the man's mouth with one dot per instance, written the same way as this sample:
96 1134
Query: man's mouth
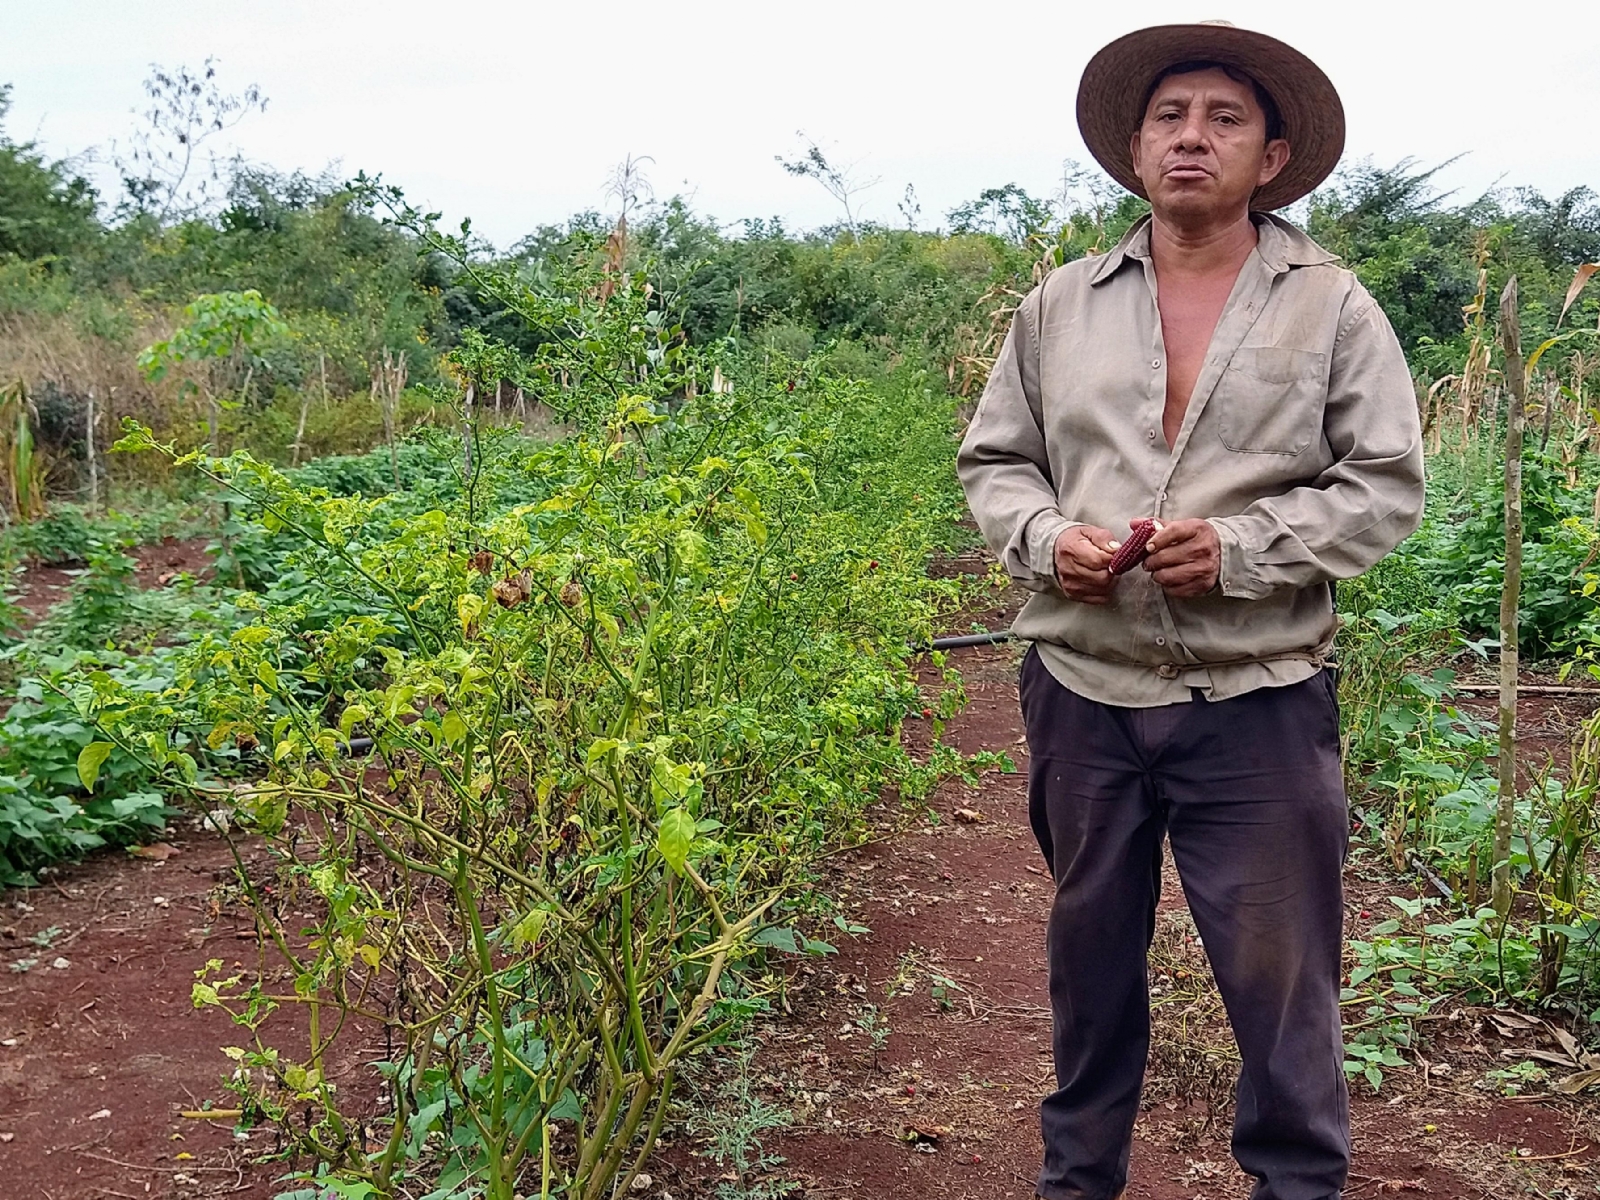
1187 171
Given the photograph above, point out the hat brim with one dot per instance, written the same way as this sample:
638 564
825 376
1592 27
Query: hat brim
1112 94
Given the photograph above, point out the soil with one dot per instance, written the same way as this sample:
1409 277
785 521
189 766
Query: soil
910 1064
102 1053
159 564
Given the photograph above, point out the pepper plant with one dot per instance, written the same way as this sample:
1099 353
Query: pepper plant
555 783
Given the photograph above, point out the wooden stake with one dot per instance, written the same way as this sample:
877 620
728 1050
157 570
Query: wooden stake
305 405
88 441
1510 594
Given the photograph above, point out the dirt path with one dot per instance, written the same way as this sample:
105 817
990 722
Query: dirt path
101 1051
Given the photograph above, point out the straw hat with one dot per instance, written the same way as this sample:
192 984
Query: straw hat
1118 78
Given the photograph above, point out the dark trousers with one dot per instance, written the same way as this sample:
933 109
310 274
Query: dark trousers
1251 793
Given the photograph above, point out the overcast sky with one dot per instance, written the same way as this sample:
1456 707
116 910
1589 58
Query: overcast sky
515 113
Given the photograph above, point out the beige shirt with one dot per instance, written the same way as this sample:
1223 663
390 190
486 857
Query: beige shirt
1300 444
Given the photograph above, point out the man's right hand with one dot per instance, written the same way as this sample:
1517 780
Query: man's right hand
1083 552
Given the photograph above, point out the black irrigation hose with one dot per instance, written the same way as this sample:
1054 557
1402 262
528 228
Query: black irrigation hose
968 639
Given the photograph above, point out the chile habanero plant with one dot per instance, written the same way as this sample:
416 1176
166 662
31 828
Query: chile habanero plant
610 729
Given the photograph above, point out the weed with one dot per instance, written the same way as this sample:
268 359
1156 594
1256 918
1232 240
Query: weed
732 1126
1513 1081
874 1022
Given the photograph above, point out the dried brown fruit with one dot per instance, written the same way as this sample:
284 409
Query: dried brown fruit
507 593
482 562
571 593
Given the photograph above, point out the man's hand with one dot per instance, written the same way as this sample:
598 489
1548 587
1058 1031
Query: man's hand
1185 559
1083 552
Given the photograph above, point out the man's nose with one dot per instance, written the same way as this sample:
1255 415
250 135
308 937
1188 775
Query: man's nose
1193 132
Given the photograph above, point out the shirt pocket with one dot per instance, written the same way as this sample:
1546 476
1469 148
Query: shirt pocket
1270 399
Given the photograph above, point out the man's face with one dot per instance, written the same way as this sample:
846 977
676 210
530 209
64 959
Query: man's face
1202 148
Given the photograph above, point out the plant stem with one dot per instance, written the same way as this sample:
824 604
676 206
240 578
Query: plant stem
1510 595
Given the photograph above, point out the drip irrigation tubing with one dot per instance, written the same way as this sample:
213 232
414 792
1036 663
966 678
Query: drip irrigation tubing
968 639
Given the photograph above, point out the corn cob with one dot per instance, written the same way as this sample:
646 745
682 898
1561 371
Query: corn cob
1133 551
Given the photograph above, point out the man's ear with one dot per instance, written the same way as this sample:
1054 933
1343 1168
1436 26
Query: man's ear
1273 161
1135 147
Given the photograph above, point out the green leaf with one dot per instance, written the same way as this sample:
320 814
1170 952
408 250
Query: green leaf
90 759
779 939
267 675
674 836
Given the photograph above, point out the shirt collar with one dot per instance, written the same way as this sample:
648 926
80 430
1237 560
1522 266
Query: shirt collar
1279 243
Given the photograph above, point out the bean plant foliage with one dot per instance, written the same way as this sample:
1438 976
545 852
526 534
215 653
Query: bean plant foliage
554 777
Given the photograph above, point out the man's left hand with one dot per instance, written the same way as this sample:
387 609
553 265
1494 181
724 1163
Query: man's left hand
1185 558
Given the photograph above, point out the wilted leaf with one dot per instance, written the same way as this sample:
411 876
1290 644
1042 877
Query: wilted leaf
1568 1043
1573 1084
90 759
1581 276
155 851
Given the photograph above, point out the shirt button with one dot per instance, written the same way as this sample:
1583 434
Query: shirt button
1161 495
1155 364
1161 641
1151 434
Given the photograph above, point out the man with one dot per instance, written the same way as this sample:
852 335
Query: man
1218 372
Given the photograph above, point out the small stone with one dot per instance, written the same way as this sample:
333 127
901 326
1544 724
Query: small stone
101 1115
642 1182
61 964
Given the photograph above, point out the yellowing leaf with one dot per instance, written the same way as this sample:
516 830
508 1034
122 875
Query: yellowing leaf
453 728
674 836
352 716
527 930
469 607
90 759
267 676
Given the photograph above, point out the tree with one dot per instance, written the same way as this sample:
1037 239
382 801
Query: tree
839 182
219 328
45 210
166 173
1007 211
